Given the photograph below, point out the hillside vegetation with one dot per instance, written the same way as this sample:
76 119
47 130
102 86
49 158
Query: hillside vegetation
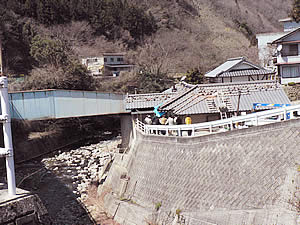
44 39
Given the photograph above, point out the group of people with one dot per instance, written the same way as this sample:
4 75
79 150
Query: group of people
163 120
170 120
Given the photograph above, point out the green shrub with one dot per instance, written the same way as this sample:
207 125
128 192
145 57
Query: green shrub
157 206
291 84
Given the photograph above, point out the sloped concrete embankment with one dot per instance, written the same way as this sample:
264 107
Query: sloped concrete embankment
255 170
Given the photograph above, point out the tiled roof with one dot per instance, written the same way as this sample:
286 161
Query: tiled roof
197 99
239 73
229 68
146 101
224 67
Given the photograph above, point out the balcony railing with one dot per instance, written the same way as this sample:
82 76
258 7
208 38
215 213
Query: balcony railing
239 122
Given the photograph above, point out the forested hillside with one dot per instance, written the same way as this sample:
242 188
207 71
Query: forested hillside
44 39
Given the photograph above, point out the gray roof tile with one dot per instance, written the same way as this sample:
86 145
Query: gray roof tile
240 73
192 99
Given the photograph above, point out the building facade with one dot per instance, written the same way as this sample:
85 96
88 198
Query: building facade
238 70
288 57
267 50
109 64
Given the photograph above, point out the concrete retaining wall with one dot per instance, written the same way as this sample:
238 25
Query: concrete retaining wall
24 208
245 169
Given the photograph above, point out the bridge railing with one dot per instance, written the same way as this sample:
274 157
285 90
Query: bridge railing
238 122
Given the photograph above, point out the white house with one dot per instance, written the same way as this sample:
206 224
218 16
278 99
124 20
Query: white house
266 50
288 56
238 70
107 64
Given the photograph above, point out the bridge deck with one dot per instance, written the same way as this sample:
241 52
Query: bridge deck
56 104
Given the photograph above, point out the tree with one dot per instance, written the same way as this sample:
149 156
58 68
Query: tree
47 51
194 76
15 36
295 12
138 23
72 77
148 82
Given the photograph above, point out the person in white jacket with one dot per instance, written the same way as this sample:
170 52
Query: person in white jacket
148 120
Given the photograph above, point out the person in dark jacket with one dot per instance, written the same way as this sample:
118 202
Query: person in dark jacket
155 121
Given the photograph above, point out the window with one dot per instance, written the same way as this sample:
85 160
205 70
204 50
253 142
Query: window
111 59
290 50
120 59
105 59
290 71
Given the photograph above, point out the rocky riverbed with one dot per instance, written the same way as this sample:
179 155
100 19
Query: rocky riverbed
67 181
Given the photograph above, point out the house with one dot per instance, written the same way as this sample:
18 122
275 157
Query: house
238 70
266 50
288 57
109 64
203 101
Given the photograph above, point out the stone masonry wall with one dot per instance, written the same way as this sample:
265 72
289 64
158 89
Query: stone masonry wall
242 169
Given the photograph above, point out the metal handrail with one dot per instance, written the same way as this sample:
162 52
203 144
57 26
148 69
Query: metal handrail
253 119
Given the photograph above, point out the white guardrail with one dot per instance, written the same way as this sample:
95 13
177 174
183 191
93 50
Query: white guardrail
238 122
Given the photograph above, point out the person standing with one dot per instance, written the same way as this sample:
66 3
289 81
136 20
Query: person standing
163 121
188 121
177 120
155 121
170 121
148 120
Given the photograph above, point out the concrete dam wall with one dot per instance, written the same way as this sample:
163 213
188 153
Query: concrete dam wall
249 169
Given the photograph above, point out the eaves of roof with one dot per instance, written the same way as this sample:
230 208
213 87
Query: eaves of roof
288 19
280 40
118 65
287 63
228 65
224 67
240 73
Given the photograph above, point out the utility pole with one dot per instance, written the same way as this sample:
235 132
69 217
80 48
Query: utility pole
238 104
7 151
5 118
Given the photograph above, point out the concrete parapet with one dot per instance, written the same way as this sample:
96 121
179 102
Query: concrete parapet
24 208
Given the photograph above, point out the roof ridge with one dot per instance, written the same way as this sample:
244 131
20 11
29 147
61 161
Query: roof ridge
178 96
237 58
278 40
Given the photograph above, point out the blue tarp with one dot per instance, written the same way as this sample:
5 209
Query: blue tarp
157 113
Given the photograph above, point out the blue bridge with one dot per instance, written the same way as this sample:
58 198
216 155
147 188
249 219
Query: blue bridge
57 104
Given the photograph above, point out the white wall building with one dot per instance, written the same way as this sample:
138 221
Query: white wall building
288 57
265 49
107 64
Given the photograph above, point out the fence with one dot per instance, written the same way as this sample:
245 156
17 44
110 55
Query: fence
238 122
